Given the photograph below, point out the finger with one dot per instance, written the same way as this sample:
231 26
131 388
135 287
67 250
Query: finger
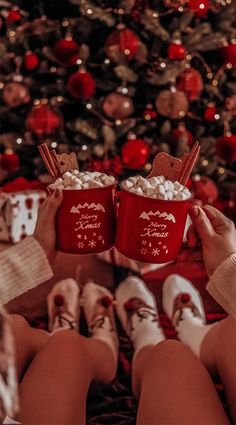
216 218
202 223
192 236
54 201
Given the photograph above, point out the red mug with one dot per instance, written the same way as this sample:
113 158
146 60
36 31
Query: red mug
85 221
150 230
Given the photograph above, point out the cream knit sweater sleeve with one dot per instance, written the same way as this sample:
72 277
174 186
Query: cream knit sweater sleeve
22 267
222 285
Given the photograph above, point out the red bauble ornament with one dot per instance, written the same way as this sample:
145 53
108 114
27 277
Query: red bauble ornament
210 112
200 7
111 166
176 51
122 44
31 61
117 106
15 94
172 104
135 153
81 85
179 133
66 51
190 81
44 120
228 54
204 189
226 147
13 16
9 161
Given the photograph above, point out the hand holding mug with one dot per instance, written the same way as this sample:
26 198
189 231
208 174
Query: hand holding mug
216 232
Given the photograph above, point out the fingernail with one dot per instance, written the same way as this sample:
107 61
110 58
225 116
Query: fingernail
195 211
57 193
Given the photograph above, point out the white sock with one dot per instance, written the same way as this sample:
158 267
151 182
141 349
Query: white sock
137 310
183 305
97 303
63 306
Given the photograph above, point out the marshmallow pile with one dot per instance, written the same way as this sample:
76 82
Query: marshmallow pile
157 188
76 180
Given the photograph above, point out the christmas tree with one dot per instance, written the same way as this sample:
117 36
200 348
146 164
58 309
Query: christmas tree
118 81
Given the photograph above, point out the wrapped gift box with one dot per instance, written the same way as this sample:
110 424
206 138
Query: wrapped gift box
18 214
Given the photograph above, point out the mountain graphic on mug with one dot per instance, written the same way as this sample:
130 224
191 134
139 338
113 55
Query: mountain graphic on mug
164 215
93 206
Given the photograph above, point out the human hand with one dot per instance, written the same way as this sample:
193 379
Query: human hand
217 235
45 232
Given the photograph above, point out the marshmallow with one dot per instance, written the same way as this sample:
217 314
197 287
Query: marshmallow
156 187
77 180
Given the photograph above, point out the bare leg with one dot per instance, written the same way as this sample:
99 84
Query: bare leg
55 386
28 342
218 354
175 388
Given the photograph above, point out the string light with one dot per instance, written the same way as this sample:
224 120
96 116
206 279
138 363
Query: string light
89 106
54 145
106 61
60 99
84 147
163 65
79 61
89 11
19 140
118 122
53 69
1 86
221 170
205 162
217 116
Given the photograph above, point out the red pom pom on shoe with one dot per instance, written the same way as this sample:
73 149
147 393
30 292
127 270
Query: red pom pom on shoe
59 300
185 298
128 305
106 301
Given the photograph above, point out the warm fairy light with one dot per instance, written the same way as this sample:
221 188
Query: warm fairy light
84 147
214 83
120 11
89 12
188 57
19 140
79 61
205 162
12 33
124 90
229 65
53 69
106 61
216 116
209 75
89 106
1 86
65 23
155 15
182 114
127 52
201 6
54 145
221 170
147 117
36 102
162 65
181 9
60 99
118 122
148 166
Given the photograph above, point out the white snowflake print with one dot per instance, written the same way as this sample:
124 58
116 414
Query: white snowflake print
164 247
85 237
150 244
143 251
92 243
159 243
166 251
155 251
144 243
100 237
79 236
80 245
103 241
94 234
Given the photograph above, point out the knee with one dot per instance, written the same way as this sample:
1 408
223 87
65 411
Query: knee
18 322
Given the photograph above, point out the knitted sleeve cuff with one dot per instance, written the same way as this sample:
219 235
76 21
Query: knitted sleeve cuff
222 284
22 267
